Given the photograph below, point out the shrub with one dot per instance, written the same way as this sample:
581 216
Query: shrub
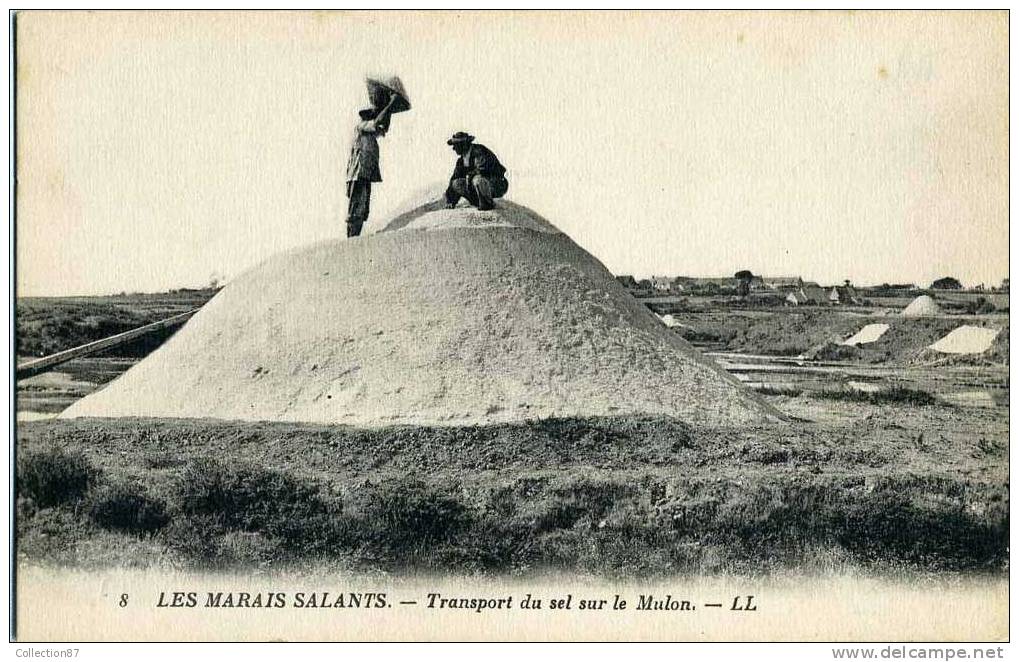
322 533
246 498
126 507
779 390
891 395
406 515
765 452
53 476
583 501
785 350
707 336
924 524
980 307
488 544
196 539
164 460
25 508
830 351
53 534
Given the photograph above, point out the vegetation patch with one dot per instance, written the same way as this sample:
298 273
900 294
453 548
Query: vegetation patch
787 391
246 497
126 507
45 325
631 496
54 475
892 395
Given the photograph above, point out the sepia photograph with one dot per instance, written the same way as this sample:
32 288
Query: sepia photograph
638 326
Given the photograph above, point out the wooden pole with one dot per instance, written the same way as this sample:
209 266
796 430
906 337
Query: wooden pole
37 366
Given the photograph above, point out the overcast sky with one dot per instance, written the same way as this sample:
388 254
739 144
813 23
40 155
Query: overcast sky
158 150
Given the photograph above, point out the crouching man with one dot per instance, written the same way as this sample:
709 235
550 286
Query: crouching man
477 176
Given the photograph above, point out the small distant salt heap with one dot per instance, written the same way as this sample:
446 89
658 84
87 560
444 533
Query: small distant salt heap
922 306
670 321
444 317
868 334
966 340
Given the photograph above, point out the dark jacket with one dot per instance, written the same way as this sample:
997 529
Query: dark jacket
480 161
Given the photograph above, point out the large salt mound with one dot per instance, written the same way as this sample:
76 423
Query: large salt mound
465 322
922 306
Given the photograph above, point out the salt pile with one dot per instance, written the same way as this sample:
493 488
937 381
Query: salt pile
508 215
426 210
670 321
447 317
966 340
922 306
866 335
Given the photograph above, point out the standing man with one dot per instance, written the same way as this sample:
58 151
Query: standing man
477 175
363 166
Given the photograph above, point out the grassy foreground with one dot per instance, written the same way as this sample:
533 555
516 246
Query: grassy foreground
627 496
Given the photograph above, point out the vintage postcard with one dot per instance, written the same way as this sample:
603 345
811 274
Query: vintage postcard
512 326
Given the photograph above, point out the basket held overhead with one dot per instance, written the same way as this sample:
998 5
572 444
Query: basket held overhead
380 89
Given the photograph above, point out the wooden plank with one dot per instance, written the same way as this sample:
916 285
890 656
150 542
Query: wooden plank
37 366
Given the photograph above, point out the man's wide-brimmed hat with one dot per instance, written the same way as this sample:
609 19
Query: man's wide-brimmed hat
460 137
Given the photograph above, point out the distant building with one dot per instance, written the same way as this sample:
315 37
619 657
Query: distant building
845 295
706 283
661 283
808 294
782 282
815 293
